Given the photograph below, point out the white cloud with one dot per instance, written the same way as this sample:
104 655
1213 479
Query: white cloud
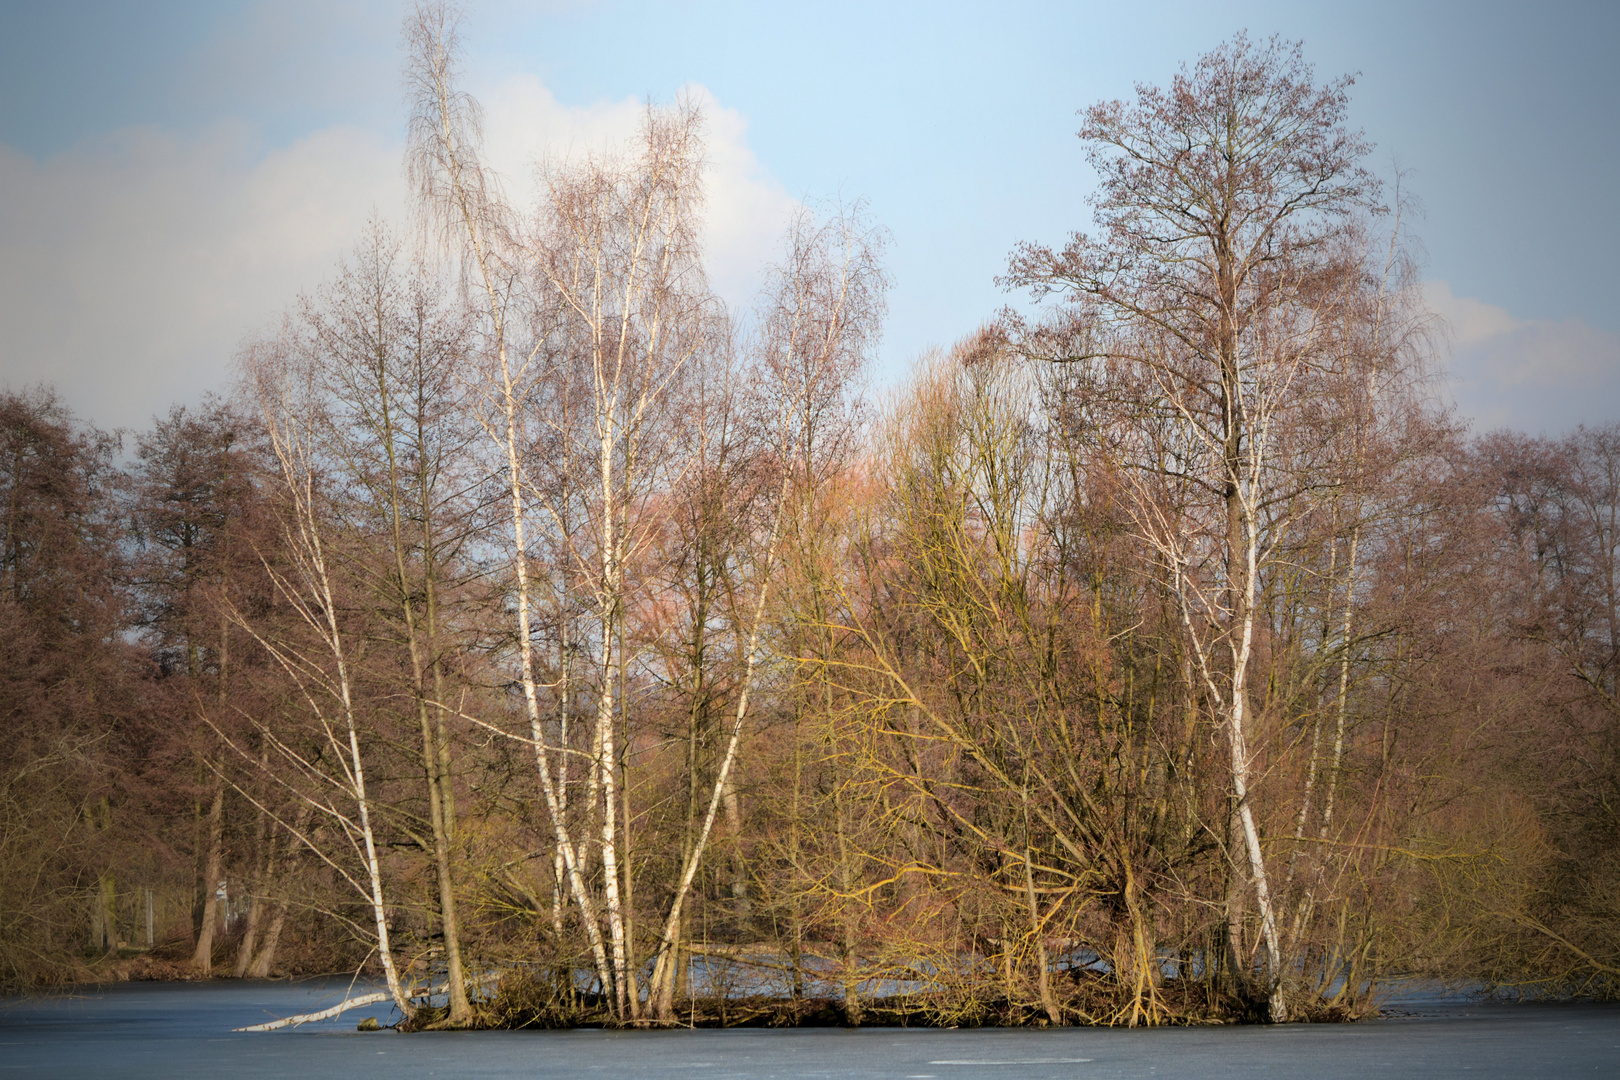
1536 375
1471 321
132 265
746 209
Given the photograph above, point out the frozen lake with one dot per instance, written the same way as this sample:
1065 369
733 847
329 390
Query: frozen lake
184 1030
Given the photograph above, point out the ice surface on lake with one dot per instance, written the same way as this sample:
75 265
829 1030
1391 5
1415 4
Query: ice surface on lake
184 1030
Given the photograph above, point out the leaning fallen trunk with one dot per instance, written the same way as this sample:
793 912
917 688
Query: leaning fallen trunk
353 1003
325 1014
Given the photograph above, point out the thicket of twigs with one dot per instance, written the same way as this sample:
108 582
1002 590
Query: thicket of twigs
531 627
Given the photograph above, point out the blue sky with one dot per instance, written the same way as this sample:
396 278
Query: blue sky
174 173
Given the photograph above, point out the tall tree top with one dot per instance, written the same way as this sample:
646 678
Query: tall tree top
1244 164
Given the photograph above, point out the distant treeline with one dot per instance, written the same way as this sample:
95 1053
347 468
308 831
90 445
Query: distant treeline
528 625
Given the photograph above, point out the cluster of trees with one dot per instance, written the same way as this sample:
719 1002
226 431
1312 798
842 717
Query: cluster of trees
531 627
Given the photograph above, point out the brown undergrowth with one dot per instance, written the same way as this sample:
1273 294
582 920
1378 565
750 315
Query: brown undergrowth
524 1002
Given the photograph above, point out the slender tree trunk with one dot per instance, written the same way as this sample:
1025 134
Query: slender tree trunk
564 705
436 747
1242 551
609 842
1251 841
572 858
663 972
611 606
469 211
795 853
1037 934
264 856
1236 947
434 752
324 618
849 956
203 957
627 833
250 936
107 900
264 960
379 910
741 906
1307 905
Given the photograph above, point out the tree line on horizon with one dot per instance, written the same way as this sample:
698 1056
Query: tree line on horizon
529 628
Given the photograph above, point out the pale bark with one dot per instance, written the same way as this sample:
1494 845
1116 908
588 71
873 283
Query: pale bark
663 978
453 185
309 591
344 1006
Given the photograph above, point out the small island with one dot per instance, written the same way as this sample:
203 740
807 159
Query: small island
544 637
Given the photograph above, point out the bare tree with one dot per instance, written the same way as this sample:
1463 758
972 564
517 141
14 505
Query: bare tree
823 315
458 197
614 255
387 347
618 247
193 491
1225 206
317 655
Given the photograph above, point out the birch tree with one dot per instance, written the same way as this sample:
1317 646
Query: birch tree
1223 209
387 347
460 201
617 246
611 264
821 318
327 772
